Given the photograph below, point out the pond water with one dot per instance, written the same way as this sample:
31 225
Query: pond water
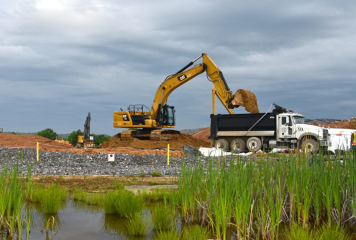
79 220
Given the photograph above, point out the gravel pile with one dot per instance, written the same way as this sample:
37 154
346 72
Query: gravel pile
67 163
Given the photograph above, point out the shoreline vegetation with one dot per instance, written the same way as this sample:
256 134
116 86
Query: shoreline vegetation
299 196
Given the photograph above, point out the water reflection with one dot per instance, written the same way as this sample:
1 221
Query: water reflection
114 225
83 206
50 223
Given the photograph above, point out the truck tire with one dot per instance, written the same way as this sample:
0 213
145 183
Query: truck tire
222 144
310 144
254 144
237 145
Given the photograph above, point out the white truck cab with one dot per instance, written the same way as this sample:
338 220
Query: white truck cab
292 128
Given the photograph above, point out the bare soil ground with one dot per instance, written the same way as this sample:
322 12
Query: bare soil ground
345 124
114 145
203 135
100 183
28 141
178 143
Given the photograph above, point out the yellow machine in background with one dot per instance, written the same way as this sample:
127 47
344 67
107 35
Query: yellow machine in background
86 141
150 123
59 139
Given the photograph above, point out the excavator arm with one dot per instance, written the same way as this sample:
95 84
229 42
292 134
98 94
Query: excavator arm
221 89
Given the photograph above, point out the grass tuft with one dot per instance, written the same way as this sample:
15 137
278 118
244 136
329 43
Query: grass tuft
137 225
51 198
163 217
195 232
165 235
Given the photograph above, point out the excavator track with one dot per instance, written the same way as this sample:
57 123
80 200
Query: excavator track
128 134
131 134
164 134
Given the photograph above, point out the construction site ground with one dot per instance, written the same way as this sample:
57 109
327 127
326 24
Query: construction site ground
114 145
133 147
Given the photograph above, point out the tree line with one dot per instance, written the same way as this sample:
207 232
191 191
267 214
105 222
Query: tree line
73 136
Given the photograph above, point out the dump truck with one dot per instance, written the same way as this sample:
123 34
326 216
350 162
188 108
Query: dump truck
281 128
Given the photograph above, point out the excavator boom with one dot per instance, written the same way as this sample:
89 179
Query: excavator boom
183 76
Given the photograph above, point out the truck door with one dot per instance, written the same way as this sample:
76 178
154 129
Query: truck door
285 127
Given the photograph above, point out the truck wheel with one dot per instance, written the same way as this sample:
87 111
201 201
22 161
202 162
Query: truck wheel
222 144
310 145
237 145
253 144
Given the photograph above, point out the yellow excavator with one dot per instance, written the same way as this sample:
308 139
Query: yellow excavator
156 123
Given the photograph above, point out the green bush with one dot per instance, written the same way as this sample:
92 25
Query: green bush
73 137
100 138
48 133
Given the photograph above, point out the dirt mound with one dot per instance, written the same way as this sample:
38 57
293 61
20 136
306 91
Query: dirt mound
344 124
28 141
203 134
247 99
148 144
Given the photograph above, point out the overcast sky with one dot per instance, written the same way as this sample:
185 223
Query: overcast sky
60 59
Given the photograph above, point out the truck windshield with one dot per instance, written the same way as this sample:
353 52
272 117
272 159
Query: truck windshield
298 120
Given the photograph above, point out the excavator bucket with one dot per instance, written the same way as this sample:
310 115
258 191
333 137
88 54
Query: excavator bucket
247 99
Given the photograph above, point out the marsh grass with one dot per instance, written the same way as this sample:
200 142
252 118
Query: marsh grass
50 198
128 204
14 189
195 232
297 232
122 203
255 197
156 195
334 232
163 217
137 224
94 199
79 194
165 235
108 202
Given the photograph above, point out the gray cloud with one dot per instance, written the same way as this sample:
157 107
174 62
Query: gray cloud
60 59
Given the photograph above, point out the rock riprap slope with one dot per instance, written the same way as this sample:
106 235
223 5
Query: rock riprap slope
68 163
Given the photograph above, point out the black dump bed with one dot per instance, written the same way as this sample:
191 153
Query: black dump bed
241 122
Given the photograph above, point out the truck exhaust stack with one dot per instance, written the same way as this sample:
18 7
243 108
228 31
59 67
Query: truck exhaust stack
247 99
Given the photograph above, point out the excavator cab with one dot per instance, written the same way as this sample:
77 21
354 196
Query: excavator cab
166 116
